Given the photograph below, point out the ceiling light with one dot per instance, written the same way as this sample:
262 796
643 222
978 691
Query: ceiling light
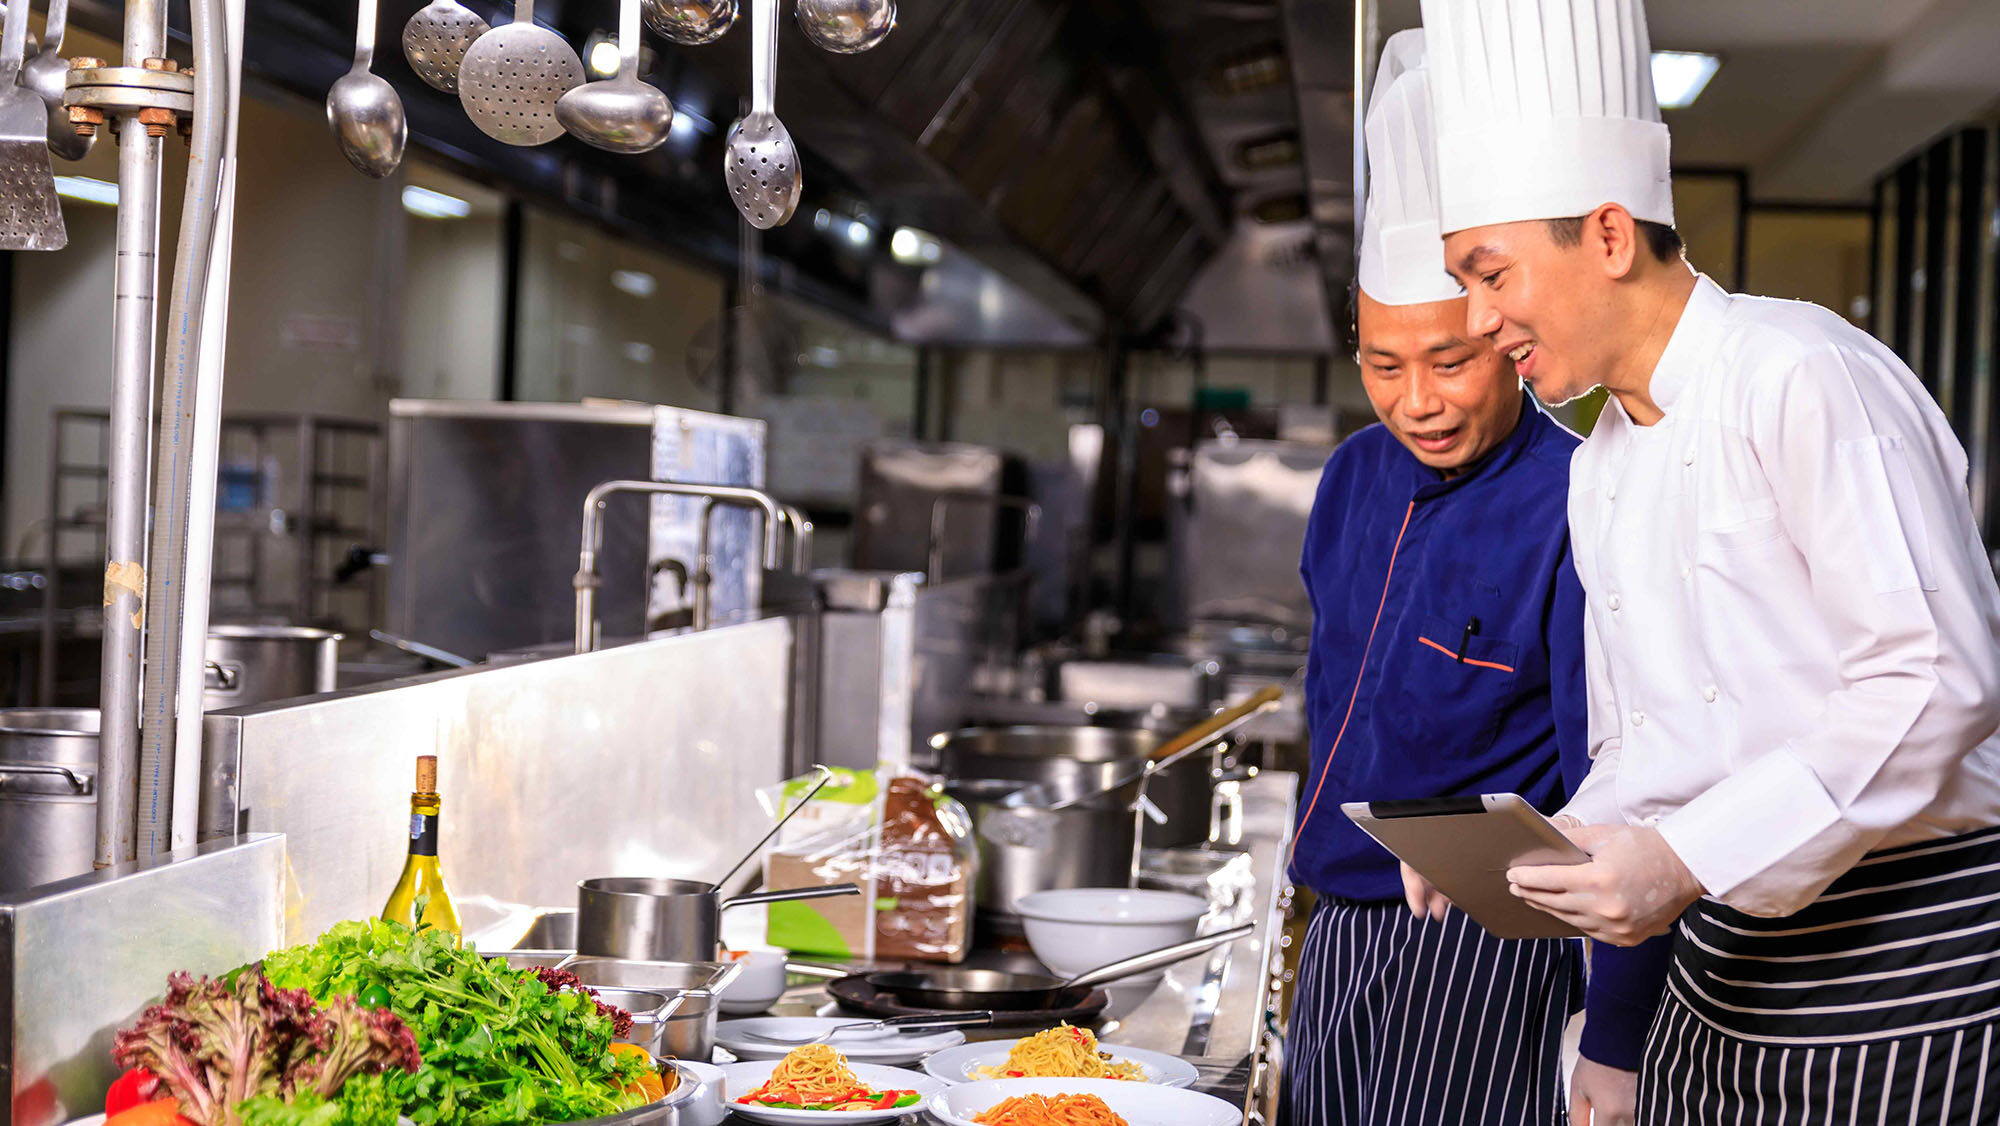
858 232
603 57
1680 76
87 189
913 247
428 204
638 283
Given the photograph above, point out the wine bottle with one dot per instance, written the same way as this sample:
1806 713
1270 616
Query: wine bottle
421 900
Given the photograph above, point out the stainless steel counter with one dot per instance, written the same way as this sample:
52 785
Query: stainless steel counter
1214 1012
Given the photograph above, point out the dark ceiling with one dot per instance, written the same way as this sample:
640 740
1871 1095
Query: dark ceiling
1095 152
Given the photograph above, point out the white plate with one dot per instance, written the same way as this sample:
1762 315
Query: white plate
739 1079
1139 1104
960 1065
887 1047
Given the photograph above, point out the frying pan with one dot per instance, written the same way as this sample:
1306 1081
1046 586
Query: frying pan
963 989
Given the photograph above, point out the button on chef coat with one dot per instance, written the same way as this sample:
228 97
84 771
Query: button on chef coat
1825 682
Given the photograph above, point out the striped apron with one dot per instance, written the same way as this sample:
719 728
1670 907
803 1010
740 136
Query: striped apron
1876 1004
1398 1020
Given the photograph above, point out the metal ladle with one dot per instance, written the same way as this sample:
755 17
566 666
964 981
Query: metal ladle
690 23
47 74
761 164
846 27
363 110
620 114
435 40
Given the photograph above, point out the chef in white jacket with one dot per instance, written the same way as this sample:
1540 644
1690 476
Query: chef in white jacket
1794 632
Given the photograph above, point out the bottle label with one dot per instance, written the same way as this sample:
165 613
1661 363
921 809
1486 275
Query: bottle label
423 834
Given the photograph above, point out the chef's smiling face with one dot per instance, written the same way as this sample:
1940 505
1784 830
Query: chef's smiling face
1448 397
1541 305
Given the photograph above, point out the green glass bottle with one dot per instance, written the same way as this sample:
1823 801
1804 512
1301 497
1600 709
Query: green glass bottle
421 899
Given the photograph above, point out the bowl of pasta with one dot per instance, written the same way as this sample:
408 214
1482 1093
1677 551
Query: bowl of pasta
816 1083
1079 1102
1062 1052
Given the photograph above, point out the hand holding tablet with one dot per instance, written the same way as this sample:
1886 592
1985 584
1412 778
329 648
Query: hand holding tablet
1464 847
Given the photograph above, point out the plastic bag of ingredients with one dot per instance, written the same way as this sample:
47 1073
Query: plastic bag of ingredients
909 847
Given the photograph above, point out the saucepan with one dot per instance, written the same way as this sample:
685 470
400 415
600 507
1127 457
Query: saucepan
659 919
964 989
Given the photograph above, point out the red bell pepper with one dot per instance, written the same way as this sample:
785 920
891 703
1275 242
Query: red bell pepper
131 1089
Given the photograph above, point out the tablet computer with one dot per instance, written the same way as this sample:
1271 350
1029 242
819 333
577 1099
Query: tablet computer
1464 846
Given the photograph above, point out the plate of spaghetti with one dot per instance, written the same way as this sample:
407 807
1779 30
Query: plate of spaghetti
1079 1102
817 1084
1062 1052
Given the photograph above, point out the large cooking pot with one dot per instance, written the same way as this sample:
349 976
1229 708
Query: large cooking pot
253 664
657 919
1025 849
48 794
1070 761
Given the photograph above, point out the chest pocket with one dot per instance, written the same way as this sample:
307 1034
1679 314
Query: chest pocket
1449 710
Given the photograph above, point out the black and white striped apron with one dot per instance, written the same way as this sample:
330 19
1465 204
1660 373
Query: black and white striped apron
1399 1020
1879 1003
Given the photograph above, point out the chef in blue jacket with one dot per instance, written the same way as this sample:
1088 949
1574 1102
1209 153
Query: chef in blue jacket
1446 659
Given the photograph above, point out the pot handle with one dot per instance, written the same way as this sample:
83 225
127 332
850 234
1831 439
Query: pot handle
664 1013
1162 958
218 677
826 892
80 782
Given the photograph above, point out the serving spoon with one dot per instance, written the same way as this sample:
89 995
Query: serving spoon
620 114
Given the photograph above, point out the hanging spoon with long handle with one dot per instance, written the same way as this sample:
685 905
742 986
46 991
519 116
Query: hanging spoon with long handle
761 164
362 108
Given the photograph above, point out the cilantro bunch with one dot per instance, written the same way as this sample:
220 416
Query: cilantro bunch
498 1045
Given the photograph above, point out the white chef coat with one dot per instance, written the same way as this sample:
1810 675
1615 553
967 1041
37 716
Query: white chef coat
1792 629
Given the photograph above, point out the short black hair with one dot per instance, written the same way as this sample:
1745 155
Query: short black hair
1663 240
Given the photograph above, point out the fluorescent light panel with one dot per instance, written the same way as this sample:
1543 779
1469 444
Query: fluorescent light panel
87 189
428 204
1679 77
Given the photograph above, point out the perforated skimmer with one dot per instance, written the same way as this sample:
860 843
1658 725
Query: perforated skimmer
760 164
435 40
30 218
512 78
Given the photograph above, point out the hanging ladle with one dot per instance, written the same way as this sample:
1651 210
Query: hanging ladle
620 114
363 110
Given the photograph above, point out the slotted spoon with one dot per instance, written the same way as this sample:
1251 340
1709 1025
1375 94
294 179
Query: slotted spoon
761 165
30 217
47 74
435 39
513 76
619 114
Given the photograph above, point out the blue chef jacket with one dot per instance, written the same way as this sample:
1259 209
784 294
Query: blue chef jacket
1447 659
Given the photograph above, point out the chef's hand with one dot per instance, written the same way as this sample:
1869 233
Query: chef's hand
1422 897
1633 888
1602 1095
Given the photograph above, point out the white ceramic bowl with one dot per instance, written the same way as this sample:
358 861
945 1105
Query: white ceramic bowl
1077 929
1139 1104
758 984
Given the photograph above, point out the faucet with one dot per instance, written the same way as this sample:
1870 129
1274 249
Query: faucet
777 517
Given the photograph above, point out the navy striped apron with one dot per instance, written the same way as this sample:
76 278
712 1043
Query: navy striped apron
1400 1020
1878 1003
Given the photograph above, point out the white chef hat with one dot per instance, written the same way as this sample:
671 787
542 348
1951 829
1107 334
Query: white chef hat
1545 110
1402 249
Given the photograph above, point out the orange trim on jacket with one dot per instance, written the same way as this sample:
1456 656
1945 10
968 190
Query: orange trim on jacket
1359 674
1465 660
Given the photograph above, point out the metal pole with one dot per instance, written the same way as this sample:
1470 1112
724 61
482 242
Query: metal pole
134 324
